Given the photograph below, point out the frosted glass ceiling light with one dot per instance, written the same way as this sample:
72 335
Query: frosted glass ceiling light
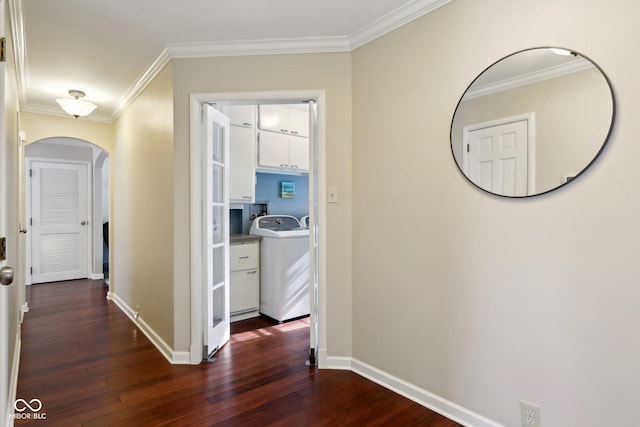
563 52
76 106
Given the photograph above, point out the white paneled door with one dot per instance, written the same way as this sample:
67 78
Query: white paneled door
216 187
496 158
59 221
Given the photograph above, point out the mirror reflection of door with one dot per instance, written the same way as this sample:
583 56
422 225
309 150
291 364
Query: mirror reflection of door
496 157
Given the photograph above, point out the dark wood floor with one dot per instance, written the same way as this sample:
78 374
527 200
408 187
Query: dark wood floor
90 366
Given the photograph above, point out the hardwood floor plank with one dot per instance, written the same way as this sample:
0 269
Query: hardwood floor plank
91 366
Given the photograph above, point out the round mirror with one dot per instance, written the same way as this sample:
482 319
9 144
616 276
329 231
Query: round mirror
532 122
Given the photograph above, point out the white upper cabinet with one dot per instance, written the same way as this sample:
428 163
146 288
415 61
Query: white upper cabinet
290 119
286 153
241 115
242 153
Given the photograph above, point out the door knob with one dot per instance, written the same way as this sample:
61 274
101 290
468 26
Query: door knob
83 223
6 276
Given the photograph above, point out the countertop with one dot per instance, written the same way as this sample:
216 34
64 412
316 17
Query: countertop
243 238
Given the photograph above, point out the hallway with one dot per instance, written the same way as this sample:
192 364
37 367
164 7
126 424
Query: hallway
89 365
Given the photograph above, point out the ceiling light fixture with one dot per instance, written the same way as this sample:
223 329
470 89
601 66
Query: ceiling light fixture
76 106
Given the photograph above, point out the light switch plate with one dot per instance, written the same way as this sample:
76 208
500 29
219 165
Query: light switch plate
332 194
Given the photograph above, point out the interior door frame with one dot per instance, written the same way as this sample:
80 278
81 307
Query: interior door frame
90 235
530 118
317 169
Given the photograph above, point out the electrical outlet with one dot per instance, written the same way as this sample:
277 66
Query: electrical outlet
529 414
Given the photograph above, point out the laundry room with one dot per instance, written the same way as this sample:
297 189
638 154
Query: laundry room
269 211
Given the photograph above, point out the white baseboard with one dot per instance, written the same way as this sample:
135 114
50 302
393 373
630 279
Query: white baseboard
174 357
423 397
341 363
97 276
13 380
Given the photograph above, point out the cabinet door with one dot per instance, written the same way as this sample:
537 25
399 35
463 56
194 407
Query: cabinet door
245 291
273 150
241 115
242 169
299 120
299 153
274 118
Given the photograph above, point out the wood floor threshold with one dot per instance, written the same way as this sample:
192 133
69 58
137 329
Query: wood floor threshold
89 365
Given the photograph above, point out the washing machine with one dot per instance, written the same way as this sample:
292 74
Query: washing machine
284 266
304 222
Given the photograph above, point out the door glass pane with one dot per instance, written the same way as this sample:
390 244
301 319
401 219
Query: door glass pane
217 189
217 143
218 311
217 266
217 225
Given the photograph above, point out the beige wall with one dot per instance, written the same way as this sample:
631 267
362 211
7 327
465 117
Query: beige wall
330 72
479 299
41 126
142 206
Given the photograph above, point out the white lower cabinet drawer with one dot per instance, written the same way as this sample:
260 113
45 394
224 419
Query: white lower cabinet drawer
245 291
244 256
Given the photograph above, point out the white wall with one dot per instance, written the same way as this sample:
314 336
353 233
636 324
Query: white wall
483 300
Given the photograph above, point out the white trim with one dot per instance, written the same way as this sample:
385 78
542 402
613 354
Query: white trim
196 100
339 363
346 43
529 78
173 357
13 379
429 400
140 84
394 20
94 276
259 47
16 22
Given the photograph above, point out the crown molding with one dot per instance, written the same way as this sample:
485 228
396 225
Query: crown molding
260 47
140 84
391 21
394 20
16 21
529 78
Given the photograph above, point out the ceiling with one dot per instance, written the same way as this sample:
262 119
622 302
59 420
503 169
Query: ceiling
112 49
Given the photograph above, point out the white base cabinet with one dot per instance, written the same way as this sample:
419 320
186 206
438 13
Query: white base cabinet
244 295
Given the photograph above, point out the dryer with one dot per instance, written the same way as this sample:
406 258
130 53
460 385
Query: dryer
284 266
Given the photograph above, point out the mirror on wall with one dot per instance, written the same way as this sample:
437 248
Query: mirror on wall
532 122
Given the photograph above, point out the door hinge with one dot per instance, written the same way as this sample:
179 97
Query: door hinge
31 270
467 148
30 221
3 49
30 173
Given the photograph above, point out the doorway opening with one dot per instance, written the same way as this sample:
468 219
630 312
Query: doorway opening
315 210
67 208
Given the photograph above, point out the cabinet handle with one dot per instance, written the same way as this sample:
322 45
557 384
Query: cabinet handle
252 272
244 257
246 124
284 165
246 197
295 166
293 132
284 130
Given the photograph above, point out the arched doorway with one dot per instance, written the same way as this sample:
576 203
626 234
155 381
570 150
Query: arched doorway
67 205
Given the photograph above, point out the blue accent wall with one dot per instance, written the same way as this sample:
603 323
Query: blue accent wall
268 189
